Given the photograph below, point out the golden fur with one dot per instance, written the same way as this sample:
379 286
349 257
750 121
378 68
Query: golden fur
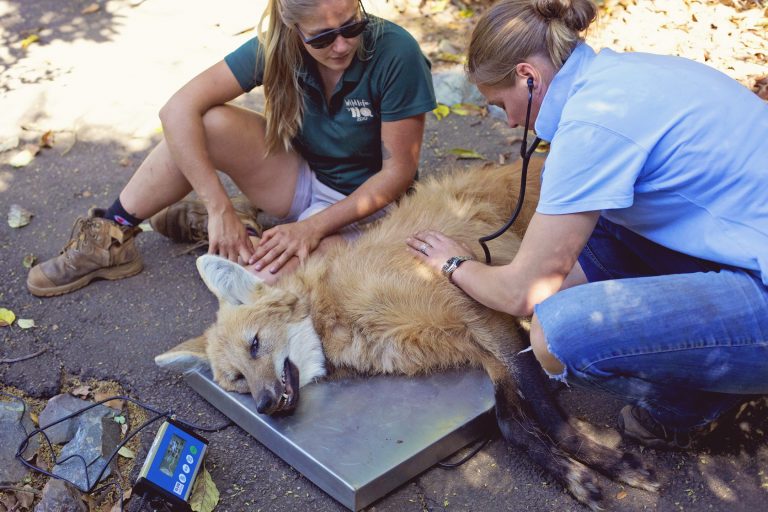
370 307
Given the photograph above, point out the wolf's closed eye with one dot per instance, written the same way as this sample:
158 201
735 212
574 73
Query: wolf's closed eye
255 346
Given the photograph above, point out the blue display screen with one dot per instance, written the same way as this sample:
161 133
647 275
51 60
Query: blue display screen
177 460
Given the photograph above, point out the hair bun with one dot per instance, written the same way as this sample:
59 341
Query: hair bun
575 14
549 9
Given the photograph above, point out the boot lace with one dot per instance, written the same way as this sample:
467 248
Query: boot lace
81 240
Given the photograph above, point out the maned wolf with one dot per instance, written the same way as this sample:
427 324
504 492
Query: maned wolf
370 307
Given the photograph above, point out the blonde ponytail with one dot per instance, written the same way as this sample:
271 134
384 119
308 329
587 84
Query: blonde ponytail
282 51
513 30
284 101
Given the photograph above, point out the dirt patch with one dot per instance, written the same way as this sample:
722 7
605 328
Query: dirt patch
130 417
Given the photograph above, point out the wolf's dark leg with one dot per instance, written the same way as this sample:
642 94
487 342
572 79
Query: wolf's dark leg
615 464
519 430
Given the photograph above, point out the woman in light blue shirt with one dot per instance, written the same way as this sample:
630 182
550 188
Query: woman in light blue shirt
646 264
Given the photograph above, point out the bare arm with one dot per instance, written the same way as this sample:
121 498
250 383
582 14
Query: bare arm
182 118
549 250
400 146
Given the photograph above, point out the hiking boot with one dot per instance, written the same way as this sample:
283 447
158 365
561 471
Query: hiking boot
97 248
187 220
636 423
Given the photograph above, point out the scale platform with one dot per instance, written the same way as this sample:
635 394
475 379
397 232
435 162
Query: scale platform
358 439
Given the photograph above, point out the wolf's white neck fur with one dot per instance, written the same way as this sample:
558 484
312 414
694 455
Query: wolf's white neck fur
305 351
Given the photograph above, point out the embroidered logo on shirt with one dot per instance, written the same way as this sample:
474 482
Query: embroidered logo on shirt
359 109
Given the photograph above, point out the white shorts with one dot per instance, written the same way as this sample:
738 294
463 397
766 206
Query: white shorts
312 197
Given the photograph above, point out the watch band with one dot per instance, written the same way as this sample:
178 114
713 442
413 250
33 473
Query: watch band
452 264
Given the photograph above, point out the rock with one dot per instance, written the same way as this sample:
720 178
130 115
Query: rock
14 425
95 440
59 496
64 405
451 87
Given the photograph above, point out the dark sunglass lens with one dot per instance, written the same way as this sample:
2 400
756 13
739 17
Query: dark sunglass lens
322 41
353 30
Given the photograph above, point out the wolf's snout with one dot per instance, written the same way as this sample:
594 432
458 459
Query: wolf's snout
265 402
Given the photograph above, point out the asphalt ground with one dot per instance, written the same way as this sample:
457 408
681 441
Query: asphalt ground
98 80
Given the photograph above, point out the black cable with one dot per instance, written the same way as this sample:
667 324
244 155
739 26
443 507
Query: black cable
90 488
525 153
475 451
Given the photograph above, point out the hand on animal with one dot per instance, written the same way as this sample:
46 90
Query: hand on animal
281 243
434 248
227 237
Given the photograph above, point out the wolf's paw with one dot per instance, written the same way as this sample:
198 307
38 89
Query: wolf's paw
632 471
582 483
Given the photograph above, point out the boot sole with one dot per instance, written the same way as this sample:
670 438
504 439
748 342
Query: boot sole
110 273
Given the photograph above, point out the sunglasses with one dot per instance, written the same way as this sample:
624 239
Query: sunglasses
325 39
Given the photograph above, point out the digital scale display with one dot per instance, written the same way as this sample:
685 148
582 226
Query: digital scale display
172 455
172 464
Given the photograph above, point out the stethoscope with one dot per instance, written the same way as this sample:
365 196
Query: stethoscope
525 153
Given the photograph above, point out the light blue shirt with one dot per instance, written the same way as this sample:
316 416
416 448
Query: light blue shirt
667 147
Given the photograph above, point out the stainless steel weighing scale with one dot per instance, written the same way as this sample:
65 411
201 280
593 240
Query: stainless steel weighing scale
358 439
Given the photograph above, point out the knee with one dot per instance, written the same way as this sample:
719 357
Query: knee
540 347
216 118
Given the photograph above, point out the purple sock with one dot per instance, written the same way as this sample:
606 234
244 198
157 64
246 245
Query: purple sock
117 213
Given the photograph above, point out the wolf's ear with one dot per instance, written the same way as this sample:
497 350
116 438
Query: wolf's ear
229 281
184 356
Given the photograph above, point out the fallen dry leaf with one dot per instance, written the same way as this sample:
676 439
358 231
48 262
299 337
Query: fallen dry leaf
116 404
29 40
441 111
6 317
25 156
205 495
19 217
81 391
8 501
450 57
91 9
126 497
621 495
47 139
29 261
466 154
126 452
25 498
25 323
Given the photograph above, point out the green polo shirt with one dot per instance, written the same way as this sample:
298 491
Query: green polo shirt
341 138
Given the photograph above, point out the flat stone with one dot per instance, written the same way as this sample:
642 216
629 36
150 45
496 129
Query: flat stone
14 425
59 496
95 439
451 87
64 405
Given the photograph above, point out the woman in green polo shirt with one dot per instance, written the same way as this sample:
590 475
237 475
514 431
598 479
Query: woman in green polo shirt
346 96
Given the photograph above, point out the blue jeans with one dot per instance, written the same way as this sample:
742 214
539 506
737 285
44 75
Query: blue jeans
685 338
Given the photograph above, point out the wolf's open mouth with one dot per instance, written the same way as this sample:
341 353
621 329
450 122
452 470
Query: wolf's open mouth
290 381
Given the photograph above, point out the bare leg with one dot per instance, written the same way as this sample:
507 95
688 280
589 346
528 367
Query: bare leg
548 361
235 144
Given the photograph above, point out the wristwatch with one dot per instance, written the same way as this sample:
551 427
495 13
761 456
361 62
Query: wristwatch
453 263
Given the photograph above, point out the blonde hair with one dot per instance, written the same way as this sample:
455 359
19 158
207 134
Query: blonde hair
282 49
513 30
